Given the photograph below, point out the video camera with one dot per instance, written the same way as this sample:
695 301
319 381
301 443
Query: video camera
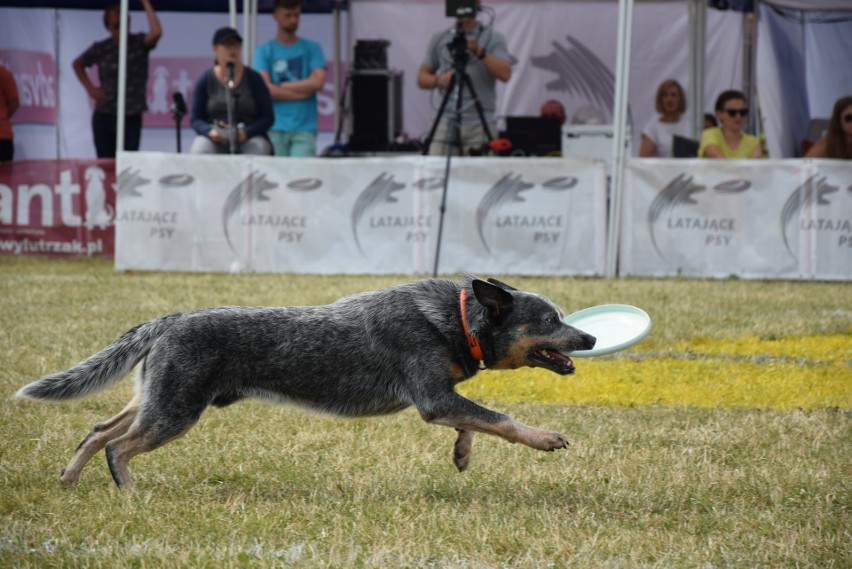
458 45
461 8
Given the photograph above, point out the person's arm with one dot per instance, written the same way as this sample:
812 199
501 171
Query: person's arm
155 31
493 55
429 79
712 151
96 93
295 90
818 150
758 150
709 144
198 114
498 67
647 149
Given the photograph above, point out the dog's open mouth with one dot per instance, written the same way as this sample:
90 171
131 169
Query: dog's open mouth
553 360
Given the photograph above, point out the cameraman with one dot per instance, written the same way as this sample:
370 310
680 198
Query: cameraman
487 59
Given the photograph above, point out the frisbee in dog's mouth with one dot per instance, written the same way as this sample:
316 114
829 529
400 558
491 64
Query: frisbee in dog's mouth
615 326
554 360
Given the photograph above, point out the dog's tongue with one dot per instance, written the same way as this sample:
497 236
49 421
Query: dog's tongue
556 355
560 357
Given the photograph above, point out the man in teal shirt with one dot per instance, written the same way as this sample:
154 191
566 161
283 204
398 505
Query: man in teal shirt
294 70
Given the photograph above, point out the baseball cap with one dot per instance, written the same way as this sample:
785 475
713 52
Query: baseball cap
226 35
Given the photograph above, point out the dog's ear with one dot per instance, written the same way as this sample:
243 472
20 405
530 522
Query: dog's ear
497 300
501 284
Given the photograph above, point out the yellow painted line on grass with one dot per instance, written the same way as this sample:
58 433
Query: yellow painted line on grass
789 373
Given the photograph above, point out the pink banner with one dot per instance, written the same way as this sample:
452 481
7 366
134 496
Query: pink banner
35 74
57 208
169 75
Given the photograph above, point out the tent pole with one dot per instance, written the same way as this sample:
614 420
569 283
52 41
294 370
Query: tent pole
245 34
749 83
252 37
121 103
622 83
697 47
335 18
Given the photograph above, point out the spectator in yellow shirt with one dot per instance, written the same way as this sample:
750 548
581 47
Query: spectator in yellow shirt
728 141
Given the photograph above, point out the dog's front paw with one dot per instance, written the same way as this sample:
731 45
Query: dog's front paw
548 441
68 478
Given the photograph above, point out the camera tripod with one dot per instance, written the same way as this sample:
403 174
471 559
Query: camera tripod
460 80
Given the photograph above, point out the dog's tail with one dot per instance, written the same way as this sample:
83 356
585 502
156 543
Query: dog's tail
102 369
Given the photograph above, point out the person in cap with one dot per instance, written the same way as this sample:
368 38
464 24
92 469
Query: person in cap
243 130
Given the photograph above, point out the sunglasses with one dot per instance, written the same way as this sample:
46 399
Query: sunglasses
847 118
734 112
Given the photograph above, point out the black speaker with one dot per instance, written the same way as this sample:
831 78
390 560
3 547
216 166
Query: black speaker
371 54
375 108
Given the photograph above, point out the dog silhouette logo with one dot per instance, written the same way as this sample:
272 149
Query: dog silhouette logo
98 212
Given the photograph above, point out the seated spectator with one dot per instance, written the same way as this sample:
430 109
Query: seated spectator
729 141
837 142
553 109
658 134
252 114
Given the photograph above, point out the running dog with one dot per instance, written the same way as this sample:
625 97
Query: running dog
367 354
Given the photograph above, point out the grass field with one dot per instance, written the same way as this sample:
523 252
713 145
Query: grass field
724 439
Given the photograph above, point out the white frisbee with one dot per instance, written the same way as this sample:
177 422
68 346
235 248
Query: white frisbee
616 327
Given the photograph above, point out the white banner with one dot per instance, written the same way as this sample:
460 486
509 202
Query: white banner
752 218
368 215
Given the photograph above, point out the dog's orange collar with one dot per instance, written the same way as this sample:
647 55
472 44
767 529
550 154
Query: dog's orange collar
472 343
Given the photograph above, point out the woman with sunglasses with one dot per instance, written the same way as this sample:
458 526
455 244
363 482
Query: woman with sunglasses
837 142
728 140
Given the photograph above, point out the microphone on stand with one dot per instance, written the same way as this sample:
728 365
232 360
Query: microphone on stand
180 104
229 103
229 74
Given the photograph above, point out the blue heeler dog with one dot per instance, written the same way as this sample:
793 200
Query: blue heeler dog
371 353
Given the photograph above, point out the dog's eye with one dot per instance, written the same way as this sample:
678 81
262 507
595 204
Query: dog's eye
553 319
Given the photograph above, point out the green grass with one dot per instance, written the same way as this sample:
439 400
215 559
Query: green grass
722 440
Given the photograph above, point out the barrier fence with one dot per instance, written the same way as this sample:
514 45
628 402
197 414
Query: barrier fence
788 219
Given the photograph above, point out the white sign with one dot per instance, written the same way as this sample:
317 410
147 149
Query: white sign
748 218
367 215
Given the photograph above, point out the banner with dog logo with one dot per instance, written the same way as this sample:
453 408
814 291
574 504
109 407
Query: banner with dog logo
57 207
751 218
367 215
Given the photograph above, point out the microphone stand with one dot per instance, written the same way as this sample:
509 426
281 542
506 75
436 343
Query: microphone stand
178 112
229 103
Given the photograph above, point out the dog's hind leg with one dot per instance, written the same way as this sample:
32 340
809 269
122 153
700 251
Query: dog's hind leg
462 449
145 435
99 436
